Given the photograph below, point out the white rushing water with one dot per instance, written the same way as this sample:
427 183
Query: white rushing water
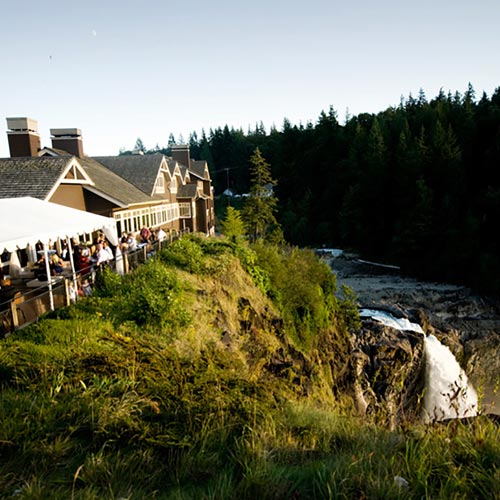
448 393
388 319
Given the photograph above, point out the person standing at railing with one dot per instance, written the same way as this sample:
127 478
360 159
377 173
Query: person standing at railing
145 234
81 258
108 250
124 243
161 235
104 253
132 242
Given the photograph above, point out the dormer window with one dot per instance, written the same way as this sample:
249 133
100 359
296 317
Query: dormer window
160 185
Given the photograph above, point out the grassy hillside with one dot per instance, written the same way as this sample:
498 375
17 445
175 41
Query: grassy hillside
214 371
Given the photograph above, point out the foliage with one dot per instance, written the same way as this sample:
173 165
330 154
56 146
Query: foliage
185 254
198 255
149 296
304 288
249 261
232 226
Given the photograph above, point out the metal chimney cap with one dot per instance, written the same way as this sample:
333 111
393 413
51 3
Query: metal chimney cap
65 132
22 124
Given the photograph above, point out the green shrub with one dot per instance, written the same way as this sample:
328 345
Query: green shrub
249 262
106 282
185 254
304 289
151 294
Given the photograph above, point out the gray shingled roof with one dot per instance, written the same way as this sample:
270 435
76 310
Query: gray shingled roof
30 176
139 170
171 165
187 191
184 171
197 168
56 151
112 184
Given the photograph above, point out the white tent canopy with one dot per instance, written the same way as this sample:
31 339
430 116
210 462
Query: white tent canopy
25 221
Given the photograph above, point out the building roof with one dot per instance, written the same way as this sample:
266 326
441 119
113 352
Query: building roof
112 185
200 169
171 164
53 152
187 191
31 176
139 170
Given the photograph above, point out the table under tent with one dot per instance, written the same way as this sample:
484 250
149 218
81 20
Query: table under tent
28 224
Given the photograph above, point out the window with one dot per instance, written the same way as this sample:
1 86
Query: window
160 184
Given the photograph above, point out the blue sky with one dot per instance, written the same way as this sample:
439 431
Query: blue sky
124 69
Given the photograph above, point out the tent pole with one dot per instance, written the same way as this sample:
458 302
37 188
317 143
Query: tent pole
49 277
72 261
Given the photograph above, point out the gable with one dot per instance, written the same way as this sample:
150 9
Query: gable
72 174
76 174
37 177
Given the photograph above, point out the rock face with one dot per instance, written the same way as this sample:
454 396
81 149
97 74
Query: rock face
389 369
389 363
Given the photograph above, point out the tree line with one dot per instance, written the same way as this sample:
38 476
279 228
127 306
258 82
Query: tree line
417 184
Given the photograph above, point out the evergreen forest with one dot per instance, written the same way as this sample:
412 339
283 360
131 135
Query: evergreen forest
417 185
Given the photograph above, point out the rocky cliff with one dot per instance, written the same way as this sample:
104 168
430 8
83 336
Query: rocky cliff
389 363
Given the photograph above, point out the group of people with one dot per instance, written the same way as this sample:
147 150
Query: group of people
129 241
86 255
56 266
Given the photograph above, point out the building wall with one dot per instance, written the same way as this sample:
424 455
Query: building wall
201 216
98 205
207 187
70 195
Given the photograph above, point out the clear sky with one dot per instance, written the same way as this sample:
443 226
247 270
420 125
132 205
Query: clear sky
122 69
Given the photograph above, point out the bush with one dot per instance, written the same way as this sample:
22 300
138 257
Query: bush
304 289
185 254
150 295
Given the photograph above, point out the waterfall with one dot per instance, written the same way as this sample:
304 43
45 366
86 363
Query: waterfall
448 394
388 319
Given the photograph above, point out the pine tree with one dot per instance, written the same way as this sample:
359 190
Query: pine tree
260 205
232 226
139 146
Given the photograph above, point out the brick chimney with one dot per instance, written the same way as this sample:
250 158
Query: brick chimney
180 153
23 137
68 139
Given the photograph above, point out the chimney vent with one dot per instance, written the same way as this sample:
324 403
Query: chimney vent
24 139
68 139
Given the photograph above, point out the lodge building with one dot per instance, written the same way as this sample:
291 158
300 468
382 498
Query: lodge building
174 193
